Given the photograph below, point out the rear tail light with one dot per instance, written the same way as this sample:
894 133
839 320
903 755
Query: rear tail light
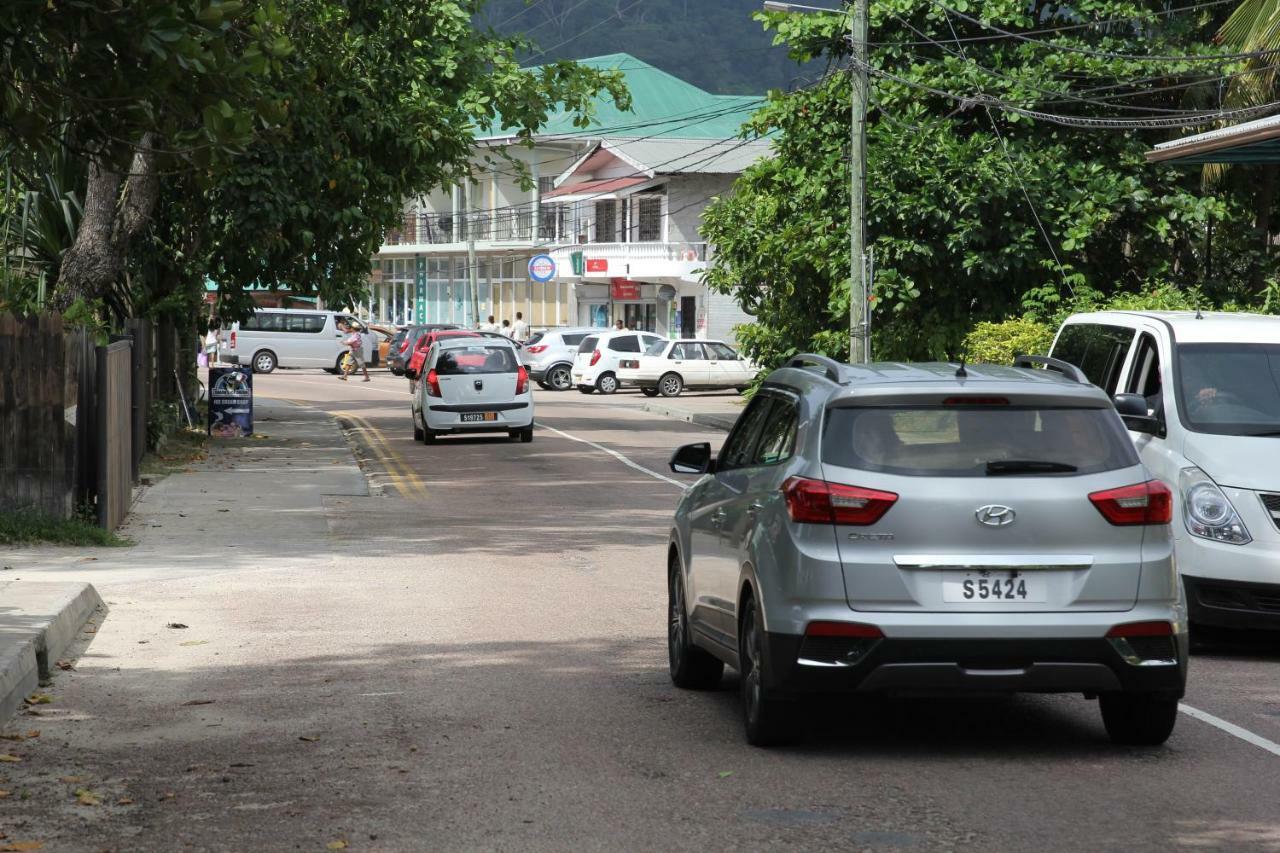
820 502
534 350
595 357
629 364
522 380
404 345
1142 503
843 629
1145 643
828 644
233 340
433 383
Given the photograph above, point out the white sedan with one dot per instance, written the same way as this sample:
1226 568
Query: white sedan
668 367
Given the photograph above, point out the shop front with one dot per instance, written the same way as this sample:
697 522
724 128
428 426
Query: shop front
643 306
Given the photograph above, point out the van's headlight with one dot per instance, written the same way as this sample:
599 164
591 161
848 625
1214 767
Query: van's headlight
1208 512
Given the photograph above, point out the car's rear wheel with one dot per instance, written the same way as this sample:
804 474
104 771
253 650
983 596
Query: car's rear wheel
586 389
418 433
428 435
559 378
649 392
264 361
526 435
670 385
607 383
766 717
1138 720
692 668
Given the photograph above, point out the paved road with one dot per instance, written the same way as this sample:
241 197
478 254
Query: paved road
479 654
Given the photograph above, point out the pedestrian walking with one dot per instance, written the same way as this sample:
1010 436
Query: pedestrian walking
520 329
490 326
355 342
506 328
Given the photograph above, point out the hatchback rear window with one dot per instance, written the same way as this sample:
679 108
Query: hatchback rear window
937 441
533 339
480 358
573 340
588 344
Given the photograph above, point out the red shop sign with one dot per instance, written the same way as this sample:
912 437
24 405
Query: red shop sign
597 265
624 288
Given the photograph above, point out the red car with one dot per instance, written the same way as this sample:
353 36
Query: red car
423 346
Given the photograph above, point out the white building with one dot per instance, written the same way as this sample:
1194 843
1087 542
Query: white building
617 207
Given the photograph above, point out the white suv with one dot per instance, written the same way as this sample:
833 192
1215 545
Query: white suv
595 367
1201 396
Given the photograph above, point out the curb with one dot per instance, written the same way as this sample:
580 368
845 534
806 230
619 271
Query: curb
706 419
38 622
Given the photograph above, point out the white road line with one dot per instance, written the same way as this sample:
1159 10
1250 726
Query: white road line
1231 729
616 455
404 395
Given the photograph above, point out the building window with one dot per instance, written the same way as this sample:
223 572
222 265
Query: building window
606 222
546 185
649 219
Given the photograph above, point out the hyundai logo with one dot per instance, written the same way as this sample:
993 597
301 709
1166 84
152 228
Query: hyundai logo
995 515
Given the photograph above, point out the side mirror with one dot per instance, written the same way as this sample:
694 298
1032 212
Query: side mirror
692 459
1133 411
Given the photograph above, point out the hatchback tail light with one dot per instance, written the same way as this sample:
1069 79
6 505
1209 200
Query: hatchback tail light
1142 503
433 383
535 349
595 357
233 340
522 380
820 502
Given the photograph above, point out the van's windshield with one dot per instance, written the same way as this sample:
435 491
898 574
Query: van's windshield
1230 388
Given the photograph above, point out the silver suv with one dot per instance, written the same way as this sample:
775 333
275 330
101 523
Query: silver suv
927 528
549 356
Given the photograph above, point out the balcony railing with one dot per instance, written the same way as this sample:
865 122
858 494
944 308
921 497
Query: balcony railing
626 252
439 228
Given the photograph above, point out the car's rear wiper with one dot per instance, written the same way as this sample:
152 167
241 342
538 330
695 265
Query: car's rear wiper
1028 466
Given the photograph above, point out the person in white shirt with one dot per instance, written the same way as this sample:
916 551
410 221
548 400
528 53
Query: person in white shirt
520 329
490 326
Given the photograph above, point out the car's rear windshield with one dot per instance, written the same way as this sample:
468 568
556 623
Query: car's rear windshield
977 441
534 338
588 344
573 340
480 358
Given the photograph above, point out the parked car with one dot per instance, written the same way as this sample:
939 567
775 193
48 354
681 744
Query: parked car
423 347
401 349
385 334
668 367
595 367
918 528
472 384
286 337
1202 396
549 356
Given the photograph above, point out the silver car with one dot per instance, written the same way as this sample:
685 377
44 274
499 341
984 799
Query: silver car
549 356
927 528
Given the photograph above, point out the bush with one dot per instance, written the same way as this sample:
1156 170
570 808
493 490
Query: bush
998 343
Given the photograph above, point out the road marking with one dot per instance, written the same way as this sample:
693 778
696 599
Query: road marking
616 455
400 394
398 469
1231 729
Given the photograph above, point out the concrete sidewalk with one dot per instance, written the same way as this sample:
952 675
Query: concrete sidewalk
714 409
199 522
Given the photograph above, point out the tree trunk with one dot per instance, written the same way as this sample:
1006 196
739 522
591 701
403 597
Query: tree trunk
92 258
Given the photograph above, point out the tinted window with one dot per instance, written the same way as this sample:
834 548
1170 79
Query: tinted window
573 340
959 442
721 351
626 343
263 323
737 450
480 358
656 348
534 338
1096 349
309 323
778 435
1230 389
1144 378
588 344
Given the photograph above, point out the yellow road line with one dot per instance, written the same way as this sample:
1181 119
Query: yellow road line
397 467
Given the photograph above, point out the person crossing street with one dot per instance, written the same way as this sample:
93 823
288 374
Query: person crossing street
355 342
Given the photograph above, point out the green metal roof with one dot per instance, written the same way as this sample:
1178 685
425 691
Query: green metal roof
661 105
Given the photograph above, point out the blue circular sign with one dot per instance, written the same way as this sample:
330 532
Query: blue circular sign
542 268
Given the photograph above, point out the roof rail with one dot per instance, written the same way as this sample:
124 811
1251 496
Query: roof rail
830 367
1066 368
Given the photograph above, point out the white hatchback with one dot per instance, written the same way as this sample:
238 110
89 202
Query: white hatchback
595 367
472 385
668 367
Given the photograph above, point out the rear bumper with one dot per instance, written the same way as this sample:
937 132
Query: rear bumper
1233 604
975 666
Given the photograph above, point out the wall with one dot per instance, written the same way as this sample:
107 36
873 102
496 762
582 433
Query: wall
687 196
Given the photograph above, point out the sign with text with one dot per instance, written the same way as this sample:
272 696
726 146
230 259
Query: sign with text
230 402
622 288
542 268
420 290
597 265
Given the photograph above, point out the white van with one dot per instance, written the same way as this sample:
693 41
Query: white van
286 337
1200 394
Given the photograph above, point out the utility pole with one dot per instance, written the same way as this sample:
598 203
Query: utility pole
473 279
859 340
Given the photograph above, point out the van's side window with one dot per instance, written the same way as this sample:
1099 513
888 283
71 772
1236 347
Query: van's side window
1144 378
1096 349
309 323
263 323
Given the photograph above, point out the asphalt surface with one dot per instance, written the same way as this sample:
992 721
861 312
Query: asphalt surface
472 656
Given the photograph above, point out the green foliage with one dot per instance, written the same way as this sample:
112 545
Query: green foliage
950 201
23 527
998 343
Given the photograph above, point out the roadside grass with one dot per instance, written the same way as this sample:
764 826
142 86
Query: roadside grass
180 450
26 527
